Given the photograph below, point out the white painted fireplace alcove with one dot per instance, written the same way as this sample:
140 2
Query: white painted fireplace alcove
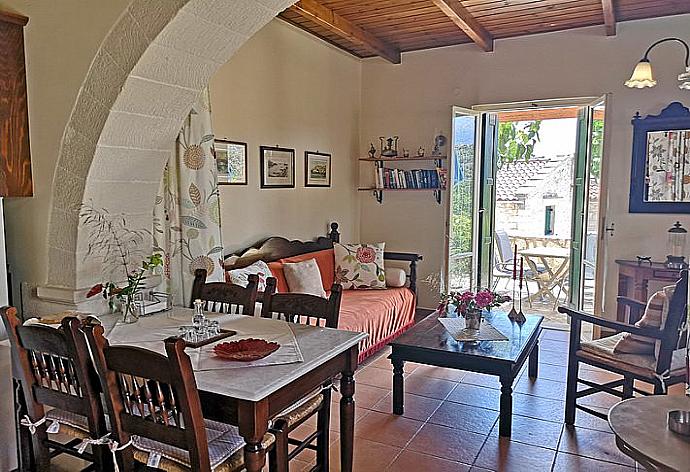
140 86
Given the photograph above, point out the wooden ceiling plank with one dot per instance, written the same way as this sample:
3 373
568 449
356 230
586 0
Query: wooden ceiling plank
609 17
466 22
339 25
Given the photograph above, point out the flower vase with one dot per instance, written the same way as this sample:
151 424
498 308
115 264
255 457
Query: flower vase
473 319
130 311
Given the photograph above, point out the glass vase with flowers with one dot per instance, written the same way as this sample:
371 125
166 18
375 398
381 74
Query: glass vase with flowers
470 305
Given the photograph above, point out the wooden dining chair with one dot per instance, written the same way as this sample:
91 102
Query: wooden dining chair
223 297
61 392
316 311
662 368
155 411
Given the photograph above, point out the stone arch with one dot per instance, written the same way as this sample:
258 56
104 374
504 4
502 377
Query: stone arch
139 88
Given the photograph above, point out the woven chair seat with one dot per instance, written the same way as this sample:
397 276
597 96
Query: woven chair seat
641 365
225 449
71 424
295 414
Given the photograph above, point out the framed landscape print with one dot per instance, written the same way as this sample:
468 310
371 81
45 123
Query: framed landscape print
231 159
277 167
317 169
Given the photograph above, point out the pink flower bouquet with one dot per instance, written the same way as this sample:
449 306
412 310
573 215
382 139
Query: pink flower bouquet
468 301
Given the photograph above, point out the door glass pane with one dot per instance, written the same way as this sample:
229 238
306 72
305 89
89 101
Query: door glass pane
461 220
589 247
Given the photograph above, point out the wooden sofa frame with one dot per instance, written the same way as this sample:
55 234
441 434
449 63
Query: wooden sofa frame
276 247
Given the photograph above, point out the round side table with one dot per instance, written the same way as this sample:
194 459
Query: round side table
641 429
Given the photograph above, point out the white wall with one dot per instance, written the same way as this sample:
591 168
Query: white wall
286 87
415 98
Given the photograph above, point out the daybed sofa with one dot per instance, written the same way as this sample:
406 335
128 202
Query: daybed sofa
383 314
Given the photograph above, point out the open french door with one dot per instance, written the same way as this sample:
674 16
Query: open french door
589 204
469 248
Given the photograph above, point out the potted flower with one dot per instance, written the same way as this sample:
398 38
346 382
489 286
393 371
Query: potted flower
471 304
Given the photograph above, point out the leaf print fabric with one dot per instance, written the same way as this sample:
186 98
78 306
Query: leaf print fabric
668 166
187 210
359 266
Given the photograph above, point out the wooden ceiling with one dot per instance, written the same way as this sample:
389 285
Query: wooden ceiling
385 28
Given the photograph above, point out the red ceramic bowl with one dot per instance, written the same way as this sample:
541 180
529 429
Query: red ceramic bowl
245 350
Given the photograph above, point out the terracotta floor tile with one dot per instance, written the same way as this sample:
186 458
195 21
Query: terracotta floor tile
534 432
555 373
552 345
585 420
335 416
387 428
592 444
369 456
538 407
443 373
416 407
297 465
598 375
503 455
559 357
384 363
475 395
428 386
366 396
447 443
479 469
571 463
464 417
602 400
409 461
541 388
482 380
555 334
372 375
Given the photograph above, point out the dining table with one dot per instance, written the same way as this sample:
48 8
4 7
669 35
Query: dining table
249 395
555 262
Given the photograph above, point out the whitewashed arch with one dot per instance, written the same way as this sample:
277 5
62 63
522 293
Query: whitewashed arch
140 87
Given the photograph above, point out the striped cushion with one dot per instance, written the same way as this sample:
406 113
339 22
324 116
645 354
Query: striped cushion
653 317
71 424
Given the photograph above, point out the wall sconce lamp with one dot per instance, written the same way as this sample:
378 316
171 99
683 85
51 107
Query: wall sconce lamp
642 76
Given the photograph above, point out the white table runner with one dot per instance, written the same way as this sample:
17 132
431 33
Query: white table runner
149 333
456 328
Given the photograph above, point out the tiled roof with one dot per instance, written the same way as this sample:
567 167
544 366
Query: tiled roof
520 178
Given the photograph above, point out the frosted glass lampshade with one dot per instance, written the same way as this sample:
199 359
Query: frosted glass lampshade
642 76
684 79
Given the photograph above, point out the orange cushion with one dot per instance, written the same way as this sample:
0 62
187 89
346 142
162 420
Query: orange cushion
277 271
324 259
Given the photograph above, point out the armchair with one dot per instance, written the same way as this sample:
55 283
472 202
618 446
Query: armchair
661 369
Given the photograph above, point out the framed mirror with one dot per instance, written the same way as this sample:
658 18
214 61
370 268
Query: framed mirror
660 178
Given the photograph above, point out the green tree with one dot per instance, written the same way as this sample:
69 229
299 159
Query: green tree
597 146
516 140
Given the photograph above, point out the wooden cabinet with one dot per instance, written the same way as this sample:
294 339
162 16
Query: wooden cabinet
15 154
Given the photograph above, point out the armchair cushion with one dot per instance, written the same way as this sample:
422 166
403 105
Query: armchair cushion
643 365
633 344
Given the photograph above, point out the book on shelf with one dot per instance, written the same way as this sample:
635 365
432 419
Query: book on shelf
395 179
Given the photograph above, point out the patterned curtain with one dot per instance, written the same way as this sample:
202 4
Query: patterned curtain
187 211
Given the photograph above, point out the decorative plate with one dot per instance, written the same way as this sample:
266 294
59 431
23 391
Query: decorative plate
245 350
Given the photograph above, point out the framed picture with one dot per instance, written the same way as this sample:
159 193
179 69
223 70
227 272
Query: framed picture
277 167
231 160
317 169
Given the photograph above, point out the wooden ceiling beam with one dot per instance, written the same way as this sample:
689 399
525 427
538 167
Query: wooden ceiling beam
609 17
330 20
454 10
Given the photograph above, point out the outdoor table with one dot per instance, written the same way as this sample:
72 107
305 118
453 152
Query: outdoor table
555 260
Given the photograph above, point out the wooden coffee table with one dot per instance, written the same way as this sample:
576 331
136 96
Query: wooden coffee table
428 342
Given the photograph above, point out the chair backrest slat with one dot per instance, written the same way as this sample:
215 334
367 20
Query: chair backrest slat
55 369
302 308
151 395
222 297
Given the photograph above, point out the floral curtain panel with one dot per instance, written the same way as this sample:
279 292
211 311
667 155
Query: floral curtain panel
668 166
187 211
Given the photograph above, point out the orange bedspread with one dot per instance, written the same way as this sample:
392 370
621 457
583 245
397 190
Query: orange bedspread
382 314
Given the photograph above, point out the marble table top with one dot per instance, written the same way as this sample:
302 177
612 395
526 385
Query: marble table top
642 424
317 345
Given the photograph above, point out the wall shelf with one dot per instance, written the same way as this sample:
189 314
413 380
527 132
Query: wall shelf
402 159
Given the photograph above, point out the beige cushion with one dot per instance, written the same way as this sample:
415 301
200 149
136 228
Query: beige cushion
295 414
395 277
71 424
225 449
304 277
644 365
359 266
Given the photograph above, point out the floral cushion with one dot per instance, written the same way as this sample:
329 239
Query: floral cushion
241 276
359 266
